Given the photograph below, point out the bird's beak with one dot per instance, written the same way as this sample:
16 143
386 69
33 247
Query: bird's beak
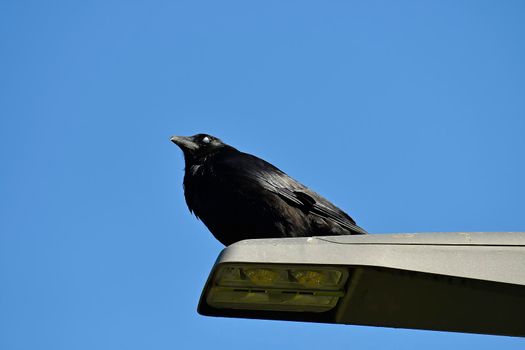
184 142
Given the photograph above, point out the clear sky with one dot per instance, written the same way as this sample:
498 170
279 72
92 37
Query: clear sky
409 115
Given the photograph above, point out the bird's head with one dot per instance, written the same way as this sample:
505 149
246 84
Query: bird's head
197 147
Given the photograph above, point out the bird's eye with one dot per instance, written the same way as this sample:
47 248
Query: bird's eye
206 139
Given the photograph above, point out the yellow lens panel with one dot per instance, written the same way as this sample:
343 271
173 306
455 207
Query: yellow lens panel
277 287
317 278
271 300
260 276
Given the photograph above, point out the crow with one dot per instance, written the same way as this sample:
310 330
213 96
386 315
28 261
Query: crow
240 196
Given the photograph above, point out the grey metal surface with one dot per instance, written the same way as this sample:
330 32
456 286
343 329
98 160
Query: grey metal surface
490 256
459 282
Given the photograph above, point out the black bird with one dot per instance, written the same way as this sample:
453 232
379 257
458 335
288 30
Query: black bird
239 196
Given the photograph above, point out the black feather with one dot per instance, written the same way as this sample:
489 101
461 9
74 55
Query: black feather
239 196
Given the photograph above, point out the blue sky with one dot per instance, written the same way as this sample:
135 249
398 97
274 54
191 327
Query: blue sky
409 115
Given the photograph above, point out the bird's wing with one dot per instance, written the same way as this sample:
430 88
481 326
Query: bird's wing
338 216
307 200
294 193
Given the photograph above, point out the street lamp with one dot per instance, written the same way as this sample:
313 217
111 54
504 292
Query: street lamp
462 282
